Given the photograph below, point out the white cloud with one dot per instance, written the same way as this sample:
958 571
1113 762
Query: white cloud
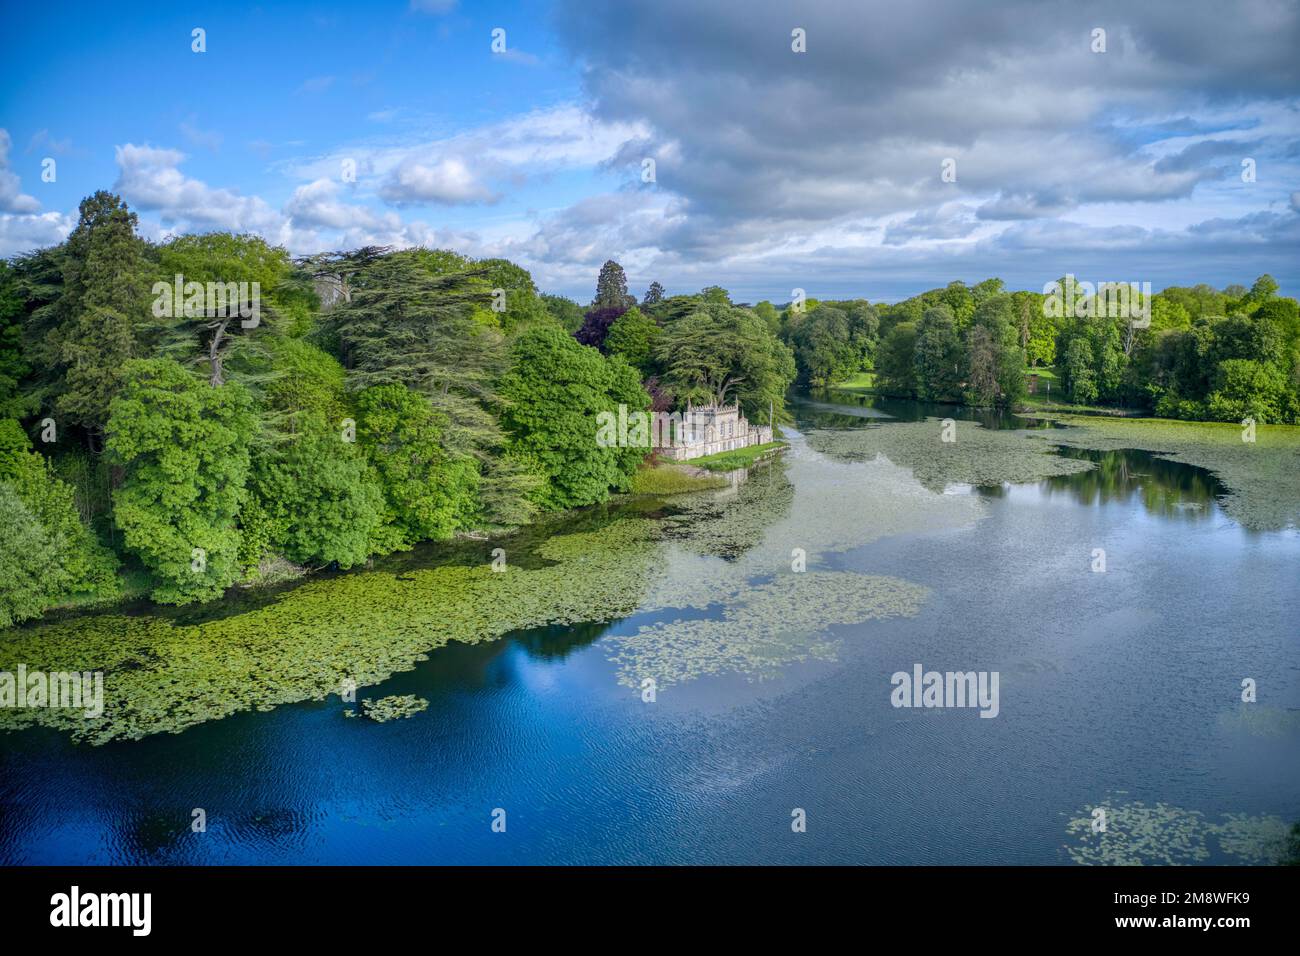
447 181
149 179
12 198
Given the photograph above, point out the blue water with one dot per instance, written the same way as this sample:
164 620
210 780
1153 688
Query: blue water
1121 686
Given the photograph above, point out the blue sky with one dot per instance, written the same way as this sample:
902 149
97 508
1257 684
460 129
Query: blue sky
774 169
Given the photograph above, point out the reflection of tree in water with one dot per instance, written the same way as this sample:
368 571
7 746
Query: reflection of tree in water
1166 488
556 643
730 522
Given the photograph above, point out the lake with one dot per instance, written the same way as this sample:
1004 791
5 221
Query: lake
1120 690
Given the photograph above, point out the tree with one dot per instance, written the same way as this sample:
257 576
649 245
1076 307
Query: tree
432 333
428 495
1079 378
635 336
233 266
654 294
720 352
321 497
938 356
896 363
74 560
565 311
184 450
611 288
13 365
31 580
596 324
556 391
101 312
982 365
823 345
1244 388
512 286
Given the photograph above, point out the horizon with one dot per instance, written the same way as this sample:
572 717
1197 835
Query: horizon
773 169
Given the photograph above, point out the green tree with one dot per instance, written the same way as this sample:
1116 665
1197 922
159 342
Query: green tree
565 311
1079 378
321 497
556 390
654 294
722 352
102 311
1245 388
184 450
611 288
938 356
76 561
896 363
427 494
14 402
31 580
208 331
635 336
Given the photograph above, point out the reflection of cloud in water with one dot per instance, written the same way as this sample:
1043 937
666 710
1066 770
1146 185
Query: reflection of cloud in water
735 552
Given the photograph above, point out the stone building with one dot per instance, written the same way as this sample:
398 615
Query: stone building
706 430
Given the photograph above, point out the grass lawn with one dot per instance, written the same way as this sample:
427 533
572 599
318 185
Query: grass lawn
669 479
741 458
857 382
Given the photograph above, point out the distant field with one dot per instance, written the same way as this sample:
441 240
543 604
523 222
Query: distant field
861 381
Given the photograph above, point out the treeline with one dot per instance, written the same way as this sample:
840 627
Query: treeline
1193 353
318 411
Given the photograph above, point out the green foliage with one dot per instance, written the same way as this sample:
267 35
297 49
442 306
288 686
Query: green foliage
102 310
938 356
45 518
13 365
1243 388
184 449
428 494
556 390
321 497
30 577
896 366
565 311
523 306
722 352
611 288
222 261
634 336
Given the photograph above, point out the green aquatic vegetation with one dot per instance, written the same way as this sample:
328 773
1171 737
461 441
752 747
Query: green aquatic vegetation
763 628
978 456
396 707
164 675
666 479
1164 835
1262 477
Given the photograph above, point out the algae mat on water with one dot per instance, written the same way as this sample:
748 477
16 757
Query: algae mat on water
163 676
975 455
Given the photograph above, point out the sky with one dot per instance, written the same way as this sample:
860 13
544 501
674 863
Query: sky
1165 149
